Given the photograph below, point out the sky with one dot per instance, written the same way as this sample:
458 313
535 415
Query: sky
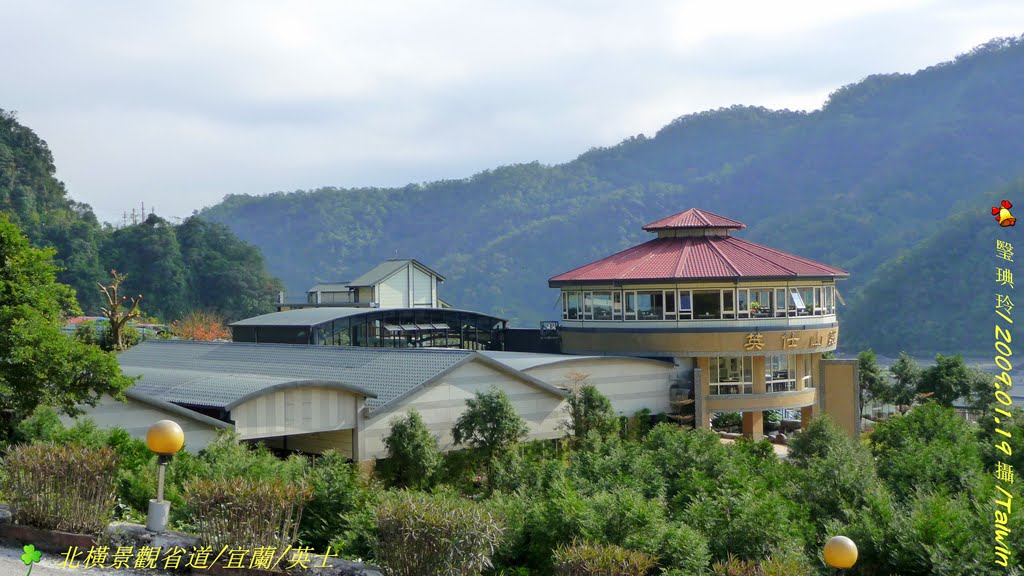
177 104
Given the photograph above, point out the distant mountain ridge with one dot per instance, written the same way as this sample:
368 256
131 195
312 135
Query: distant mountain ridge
874 172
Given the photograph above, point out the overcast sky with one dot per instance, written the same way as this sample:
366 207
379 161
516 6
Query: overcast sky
176 104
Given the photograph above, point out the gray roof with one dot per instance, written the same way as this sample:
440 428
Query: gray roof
330 287
528 360
387 268
313 316
303 316
223 374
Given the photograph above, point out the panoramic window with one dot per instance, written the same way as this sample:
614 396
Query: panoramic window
731 375
602 303
649 306
779 373
760 302
707 304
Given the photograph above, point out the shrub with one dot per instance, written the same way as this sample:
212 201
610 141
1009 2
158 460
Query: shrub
424 535
413 458
491 424
246 512
337 493
723 420
61 487
601 560
785 566
589 411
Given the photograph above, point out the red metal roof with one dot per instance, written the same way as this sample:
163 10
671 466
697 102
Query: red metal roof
697 257
694 218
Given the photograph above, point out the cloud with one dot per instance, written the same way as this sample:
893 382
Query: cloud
178 104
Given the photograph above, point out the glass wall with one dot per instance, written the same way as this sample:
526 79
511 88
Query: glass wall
732 375
698 304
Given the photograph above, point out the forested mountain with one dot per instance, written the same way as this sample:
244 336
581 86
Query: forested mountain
868 176
192 265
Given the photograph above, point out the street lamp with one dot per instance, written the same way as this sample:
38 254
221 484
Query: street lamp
166 439
840 553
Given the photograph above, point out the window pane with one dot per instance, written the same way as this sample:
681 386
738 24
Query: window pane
707 304
780 300
728 301
630 303
574 305
588 302
742 301
670 301
649 305
602 305
684 301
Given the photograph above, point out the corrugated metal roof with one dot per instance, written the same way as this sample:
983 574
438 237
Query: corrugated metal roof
330 287
303 316
218 374
698 257
694 218
387 268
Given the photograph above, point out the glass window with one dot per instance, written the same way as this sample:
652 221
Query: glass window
779 373
780 302
808 372
818 300
630 305
602 302
650 306
707 304
829 295
742 303
807 297
685 304
670 304
588 305
728 304
616 305
760 302
731 375
574 306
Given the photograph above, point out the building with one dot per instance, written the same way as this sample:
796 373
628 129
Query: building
745 325
387 327
396 283
314 398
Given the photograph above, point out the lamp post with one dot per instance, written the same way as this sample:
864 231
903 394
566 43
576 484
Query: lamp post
840 553
166 439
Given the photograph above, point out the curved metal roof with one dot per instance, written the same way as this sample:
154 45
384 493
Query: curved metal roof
313 316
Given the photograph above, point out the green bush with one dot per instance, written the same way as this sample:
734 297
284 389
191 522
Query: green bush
413 458
61 487
338 493
246 512
787 566
580 559
424 535
723 420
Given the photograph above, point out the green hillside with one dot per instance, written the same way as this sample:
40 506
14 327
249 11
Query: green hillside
192 265
940 295
868 176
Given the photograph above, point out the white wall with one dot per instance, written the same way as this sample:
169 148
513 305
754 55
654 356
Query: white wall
422 295
136 417
630 384
295 411
443 402
394 290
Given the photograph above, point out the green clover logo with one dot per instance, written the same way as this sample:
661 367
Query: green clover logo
30 557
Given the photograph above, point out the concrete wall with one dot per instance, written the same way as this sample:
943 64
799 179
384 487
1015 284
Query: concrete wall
442 402
136 417
630 384
296 411
840 396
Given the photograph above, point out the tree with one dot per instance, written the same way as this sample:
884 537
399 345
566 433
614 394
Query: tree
39 364
948 380
490 424
588 410
413 458
119 310
200 325
873 381
903 389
